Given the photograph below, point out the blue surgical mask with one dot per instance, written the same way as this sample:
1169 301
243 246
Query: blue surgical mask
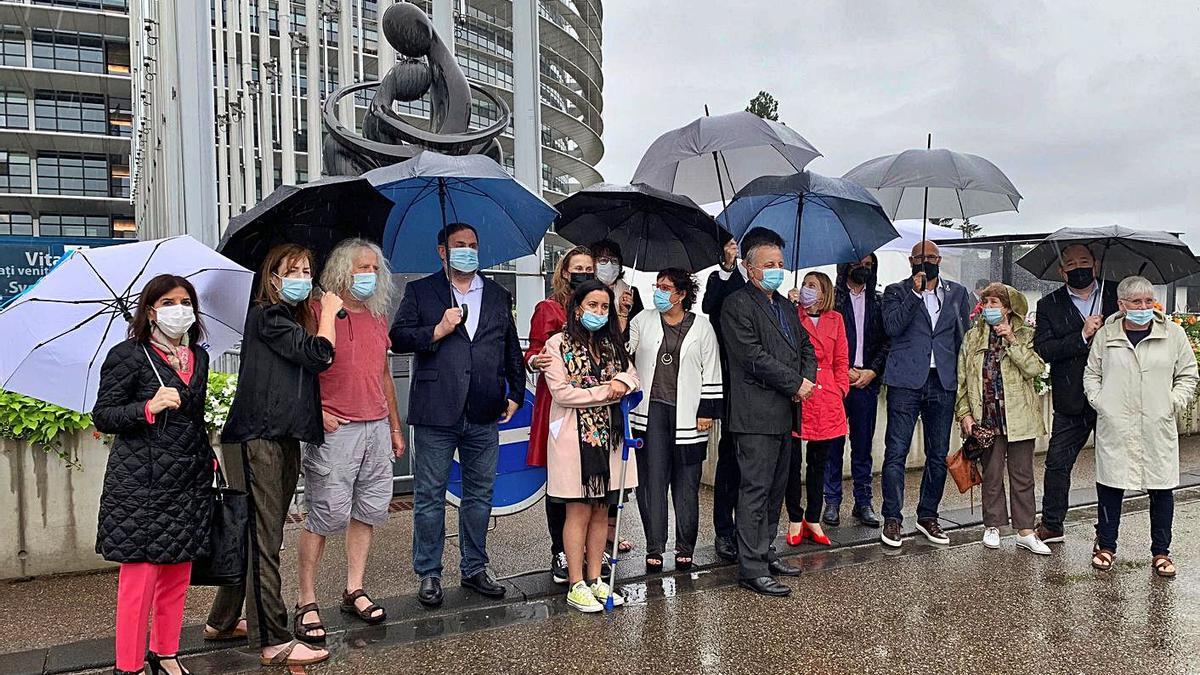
662 300
593 322
809 296
364 285
294 290
772 279
992 315
464 259
1140 317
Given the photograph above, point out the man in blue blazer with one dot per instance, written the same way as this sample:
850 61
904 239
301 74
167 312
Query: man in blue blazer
467 375
925 317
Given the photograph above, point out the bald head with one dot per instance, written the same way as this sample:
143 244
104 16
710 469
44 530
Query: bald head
925 248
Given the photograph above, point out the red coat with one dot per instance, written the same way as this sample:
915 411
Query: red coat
824 415
549 317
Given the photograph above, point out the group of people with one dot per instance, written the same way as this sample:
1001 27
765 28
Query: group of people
788 380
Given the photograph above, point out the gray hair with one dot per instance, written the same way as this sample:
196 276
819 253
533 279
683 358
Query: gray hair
750 253
1131 287
338 275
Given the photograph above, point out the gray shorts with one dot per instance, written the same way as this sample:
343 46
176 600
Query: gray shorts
350 476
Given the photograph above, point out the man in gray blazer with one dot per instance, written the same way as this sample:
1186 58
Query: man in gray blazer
926 317
772 368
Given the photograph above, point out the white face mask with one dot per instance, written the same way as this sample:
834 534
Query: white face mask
607 273
174 320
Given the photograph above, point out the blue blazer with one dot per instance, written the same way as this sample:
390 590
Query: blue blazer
914 337
458 376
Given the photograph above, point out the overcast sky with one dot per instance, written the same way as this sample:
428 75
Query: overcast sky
1092 109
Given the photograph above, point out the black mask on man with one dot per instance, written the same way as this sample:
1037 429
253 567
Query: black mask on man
580 277
860 275
930 269
1080 277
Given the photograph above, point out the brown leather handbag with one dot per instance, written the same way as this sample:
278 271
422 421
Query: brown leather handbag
963 464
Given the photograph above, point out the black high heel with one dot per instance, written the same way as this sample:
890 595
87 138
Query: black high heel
117 671
155 663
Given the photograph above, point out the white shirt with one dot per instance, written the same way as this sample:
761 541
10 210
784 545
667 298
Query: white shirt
933 305
858 305
741 267
1087 306
473 299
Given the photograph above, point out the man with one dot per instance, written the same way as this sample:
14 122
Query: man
348 478
861 308
467 375
721 284
772 368
925 317
1067 319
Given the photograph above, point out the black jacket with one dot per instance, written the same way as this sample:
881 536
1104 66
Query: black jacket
1058 339
765 369
715 293
156 504
877 342
278 394
457 375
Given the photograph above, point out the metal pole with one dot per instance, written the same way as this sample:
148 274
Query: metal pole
925 212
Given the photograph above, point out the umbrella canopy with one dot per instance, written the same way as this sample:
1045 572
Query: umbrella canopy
1120 251
655 229
911 234
315 215
432 190
714 157
57 333
959 185
822 220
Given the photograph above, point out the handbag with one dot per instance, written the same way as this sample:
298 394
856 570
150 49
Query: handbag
965 472
225 563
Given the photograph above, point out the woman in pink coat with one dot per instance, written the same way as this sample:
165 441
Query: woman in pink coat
588 372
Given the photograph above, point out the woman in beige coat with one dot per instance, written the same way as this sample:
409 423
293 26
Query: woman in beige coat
1141 374
588 372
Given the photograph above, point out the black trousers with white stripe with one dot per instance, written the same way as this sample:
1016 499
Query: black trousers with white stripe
661 468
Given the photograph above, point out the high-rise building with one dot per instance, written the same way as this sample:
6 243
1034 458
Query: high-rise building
65 119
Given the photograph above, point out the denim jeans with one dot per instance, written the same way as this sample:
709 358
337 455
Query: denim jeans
861 407
935 406
1108 518
478 448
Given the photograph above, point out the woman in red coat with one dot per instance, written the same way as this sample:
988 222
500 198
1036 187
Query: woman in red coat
824 416
549 317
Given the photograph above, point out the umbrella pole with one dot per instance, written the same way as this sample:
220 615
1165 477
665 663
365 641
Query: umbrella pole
446 238
796 244
925 210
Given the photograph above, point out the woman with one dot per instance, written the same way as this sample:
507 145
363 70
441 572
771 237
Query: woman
156 504
676 352
1140 376
610 270
277 407
823 425
997 367
549 317
588 373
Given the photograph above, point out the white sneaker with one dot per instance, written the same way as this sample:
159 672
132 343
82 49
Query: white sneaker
991 537
1031 543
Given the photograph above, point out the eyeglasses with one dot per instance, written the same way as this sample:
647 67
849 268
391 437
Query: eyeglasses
608 260
665 289
927 258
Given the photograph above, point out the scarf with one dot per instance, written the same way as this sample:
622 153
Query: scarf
597 425
993 385
179 357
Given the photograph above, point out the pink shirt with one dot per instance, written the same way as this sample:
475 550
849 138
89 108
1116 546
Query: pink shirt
352 388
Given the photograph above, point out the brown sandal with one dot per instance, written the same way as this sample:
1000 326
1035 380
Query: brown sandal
1159 565
284 657
238 632
303 631
368 615
1104 558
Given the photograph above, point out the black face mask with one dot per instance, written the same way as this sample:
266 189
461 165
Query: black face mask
1080 277
580 277
931 270
860 275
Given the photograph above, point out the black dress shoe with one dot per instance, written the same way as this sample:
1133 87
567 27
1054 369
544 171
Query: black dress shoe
430 594
766 586
782 569
726 548
867 517
832 516
483 584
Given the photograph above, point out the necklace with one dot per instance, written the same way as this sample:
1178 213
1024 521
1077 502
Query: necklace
668 356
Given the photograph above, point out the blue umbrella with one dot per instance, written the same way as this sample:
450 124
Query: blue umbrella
822 220
432 190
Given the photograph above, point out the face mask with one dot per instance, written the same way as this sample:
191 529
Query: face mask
1080 277
608 272
464 259
931 270
593 322
992 315
363 286
174 320
295 290
772 279
1140 317
860 275
580 277
809 296
662 300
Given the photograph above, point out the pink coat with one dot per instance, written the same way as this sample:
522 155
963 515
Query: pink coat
562 455
825 413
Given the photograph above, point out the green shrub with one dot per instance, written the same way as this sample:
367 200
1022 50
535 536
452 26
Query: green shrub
39 423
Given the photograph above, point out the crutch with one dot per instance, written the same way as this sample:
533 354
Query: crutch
628 403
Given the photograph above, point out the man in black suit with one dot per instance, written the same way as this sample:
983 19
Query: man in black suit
1066 321
467 375
772 367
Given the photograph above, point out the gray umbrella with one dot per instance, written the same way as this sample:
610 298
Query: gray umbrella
1121 252
713 157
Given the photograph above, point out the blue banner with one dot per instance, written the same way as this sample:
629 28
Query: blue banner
25 260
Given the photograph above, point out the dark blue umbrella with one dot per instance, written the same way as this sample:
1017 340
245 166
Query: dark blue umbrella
822 220
432 190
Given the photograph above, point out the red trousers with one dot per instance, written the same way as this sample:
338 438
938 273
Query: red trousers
143 586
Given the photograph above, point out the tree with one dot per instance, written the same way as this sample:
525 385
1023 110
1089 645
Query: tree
765 106
969 229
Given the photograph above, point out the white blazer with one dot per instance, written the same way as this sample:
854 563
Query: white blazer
699 385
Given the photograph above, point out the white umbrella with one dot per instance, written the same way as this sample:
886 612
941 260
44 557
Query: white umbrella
57 333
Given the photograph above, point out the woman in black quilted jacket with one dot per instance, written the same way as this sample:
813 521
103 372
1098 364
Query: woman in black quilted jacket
156 504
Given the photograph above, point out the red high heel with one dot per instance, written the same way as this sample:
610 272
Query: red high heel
798 539
808 531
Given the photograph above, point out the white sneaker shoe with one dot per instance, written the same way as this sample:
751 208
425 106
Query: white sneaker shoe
991 537
1031 543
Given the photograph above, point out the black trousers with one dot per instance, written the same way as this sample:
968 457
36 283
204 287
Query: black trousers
810 482
763 460
725 485
1067 436
660 468
1108 518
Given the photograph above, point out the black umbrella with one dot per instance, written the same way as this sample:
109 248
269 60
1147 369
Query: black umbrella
655 229
1121 252
316 215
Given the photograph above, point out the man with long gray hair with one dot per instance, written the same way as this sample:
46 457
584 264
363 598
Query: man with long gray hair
348 479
